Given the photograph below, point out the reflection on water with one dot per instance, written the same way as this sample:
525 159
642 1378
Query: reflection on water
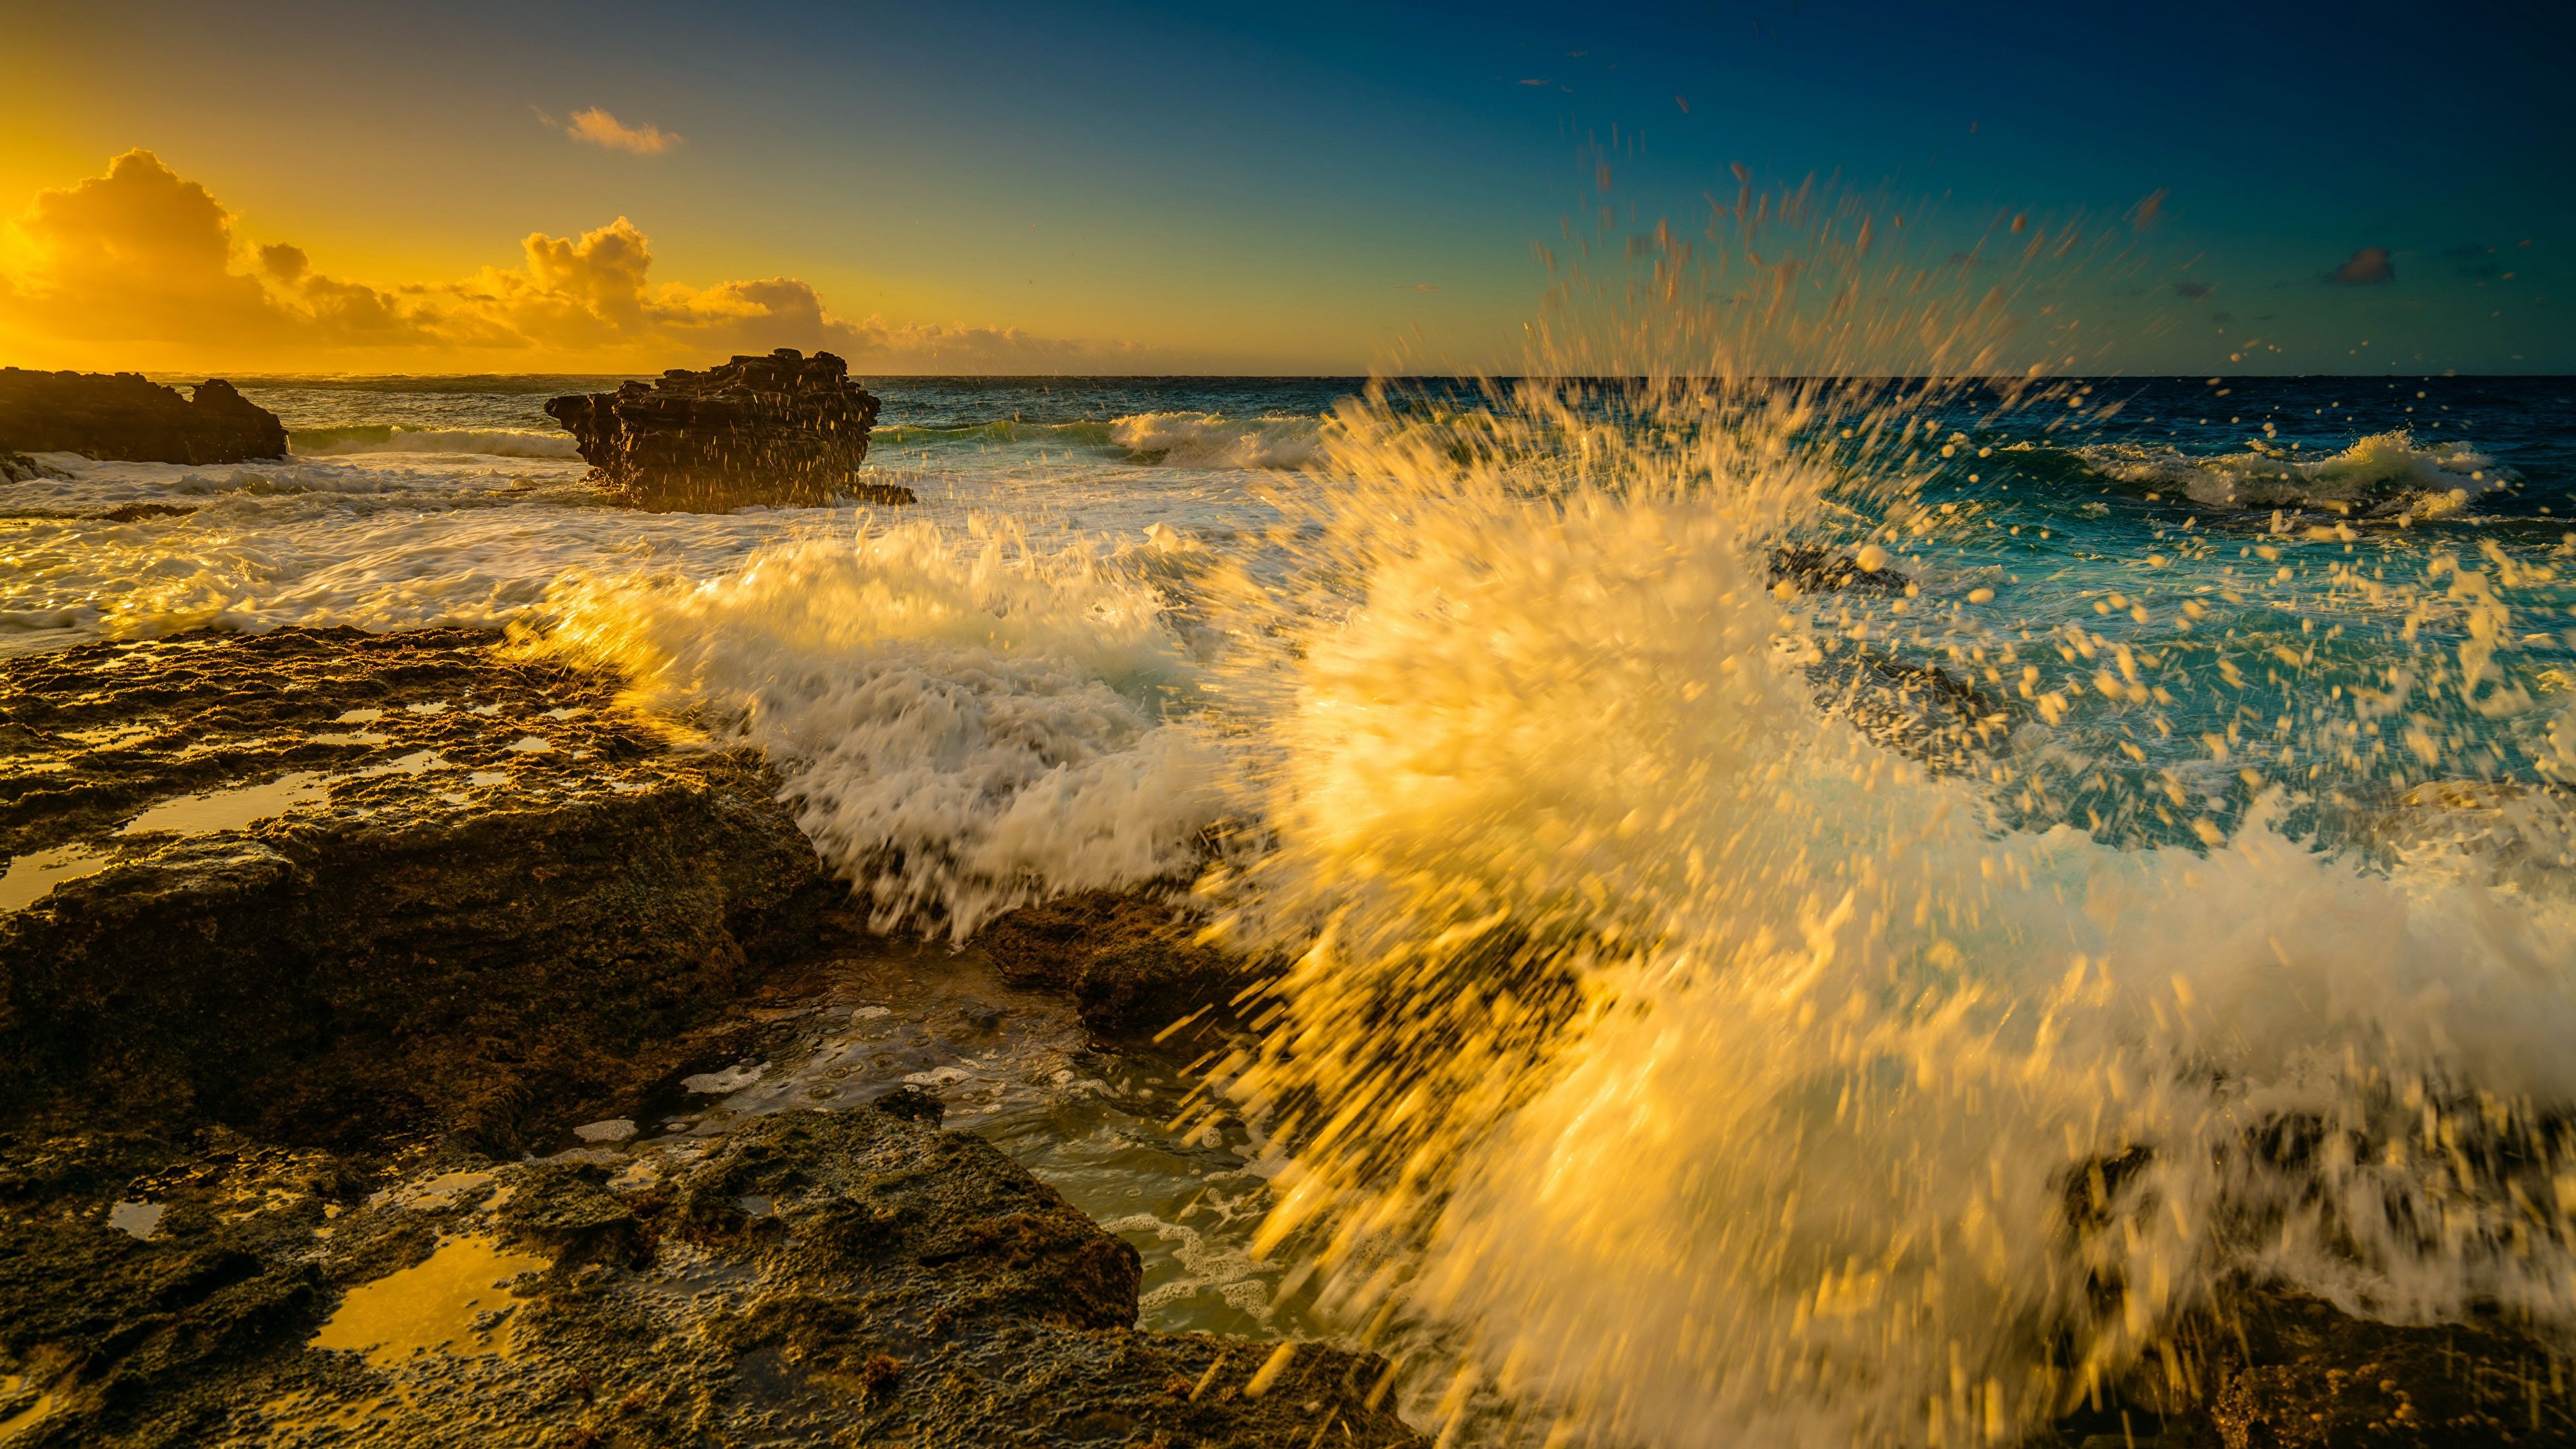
1018 1069
34 875
455 1302
229 809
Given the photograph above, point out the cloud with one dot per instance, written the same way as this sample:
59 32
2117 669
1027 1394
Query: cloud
961 348
2194 290
2367 267
140 257
286 263
1417 287
137 247
599 128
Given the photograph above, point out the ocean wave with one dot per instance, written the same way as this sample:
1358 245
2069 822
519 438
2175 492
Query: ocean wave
386 438
2380 475
1206 440
1648 989
1001 430
1174 439
965 723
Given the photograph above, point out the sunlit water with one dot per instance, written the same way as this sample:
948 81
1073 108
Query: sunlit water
1658 1054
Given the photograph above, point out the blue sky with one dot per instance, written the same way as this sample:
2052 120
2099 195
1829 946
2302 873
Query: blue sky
1317 188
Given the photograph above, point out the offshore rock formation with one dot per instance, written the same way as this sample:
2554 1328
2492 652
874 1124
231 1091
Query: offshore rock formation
1813 570
127 416
782 429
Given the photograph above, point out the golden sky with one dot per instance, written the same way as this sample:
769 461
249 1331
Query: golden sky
1003 187
140 267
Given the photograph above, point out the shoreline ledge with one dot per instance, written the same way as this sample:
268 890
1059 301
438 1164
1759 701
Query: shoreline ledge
312 937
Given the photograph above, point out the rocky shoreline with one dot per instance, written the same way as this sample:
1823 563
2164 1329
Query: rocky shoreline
338 971
128 416
311 934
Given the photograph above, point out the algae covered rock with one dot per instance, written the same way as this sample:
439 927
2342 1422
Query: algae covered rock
1128 959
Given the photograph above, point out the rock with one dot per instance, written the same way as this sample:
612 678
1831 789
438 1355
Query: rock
127 416
2263 1366
325 972
333 886
781 429
843 1277
2284 1371
1919 710
1813 570
19 468
1126 958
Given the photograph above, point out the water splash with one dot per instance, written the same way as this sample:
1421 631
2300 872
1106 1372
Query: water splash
1691 1069
964 722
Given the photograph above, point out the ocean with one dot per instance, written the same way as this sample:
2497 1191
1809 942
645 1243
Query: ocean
1644 1032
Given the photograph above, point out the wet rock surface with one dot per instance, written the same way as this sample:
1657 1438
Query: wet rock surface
781 429
2289 1371
331 885
128 416
1127 958
1920 710
851 1277
310 933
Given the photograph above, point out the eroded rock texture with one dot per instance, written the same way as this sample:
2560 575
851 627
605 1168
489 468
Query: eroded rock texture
782 429
857 1277
336 885
128 416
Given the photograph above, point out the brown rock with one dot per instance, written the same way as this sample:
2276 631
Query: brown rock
129 417
781 429
1129 960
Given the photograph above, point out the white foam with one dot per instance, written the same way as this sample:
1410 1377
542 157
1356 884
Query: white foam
2382 473
1207 440
485 442
965 723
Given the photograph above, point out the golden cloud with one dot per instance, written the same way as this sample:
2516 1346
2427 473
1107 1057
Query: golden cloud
142 257
599 128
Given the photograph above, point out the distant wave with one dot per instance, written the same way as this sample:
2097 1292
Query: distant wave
1005 430
383 438
1205 440
2382 474
1175 439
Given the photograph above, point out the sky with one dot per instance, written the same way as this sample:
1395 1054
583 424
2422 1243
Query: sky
1322 189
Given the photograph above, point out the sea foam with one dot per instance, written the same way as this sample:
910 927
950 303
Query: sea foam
381 438
965 723
2384 473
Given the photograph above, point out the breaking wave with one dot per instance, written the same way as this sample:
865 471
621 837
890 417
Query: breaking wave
386 438
1683 1064
964 723
1174 439
2384 474
1205 440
